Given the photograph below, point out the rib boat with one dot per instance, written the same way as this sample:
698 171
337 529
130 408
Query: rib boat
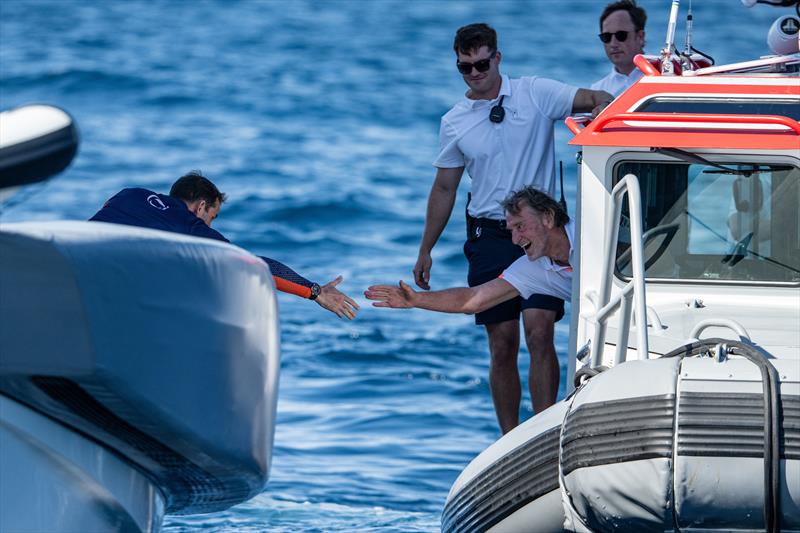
138 368
683 412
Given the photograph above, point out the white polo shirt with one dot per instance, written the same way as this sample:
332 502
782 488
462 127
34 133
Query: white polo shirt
542 276
616 83
504 157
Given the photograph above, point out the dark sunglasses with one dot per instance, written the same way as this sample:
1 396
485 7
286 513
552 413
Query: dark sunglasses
481 66
621 36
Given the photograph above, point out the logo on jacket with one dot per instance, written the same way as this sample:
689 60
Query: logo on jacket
157 202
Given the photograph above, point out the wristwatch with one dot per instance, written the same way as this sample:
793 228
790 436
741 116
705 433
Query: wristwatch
315 290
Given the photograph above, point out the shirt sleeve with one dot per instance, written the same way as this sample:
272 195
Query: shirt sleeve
450 155
287 280
553 98
526 276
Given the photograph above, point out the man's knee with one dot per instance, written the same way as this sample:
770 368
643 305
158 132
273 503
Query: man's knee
539 326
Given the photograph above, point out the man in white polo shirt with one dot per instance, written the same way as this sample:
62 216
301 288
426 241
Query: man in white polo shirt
501 132
622 33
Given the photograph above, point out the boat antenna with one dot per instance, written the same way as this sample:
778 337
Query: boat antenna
666 54
688 50
562 202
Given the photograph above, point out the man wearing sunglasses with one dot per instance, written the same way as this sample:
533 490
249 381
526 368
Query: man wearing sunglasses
501 132
622 34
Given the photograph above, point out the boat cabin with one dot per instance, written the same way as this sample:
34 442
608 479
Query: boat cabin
715 154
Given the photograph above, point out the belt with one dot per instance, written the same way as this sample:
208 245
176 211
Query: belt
489 223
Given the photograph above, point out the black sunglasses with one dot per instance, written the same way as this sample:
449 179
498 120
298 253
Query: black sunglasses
480 66
621 36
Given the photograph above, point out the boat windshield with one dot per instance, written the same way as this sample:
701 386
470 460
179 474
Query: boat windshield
736 222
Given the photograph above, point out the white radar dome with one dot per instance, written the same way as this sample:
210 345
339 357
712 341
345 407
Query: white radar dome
784 34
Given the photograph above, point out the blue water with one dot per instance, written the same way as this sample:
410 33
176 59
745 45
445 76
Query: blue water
320 120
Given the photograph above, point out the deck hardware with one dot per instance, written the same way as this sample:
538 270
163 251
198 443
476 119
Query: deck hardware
721 352
584 352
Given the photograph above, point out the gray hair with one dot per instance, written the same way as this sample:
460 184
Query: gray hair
538 201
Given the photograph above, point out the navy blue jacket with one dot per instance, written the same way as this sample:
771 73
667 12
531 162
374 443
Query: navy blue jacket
147 209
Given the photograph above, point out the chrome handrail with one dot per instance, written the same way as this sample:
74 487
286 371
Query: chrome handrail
719 322
634 290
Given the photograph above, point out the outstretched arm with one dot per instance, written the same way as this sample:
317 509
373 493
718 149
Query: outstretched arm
587 100
468 300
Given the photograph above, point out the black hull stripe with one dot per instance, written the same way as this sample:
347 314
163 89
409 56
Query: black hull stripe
732 425
618 431
506 486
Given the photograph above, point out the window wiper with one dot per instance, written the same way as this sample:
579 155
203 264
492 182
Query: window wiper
747 172
694 158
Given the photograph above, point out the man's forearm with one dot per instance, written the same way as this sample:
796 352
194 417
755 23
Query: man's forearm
455 300
440 206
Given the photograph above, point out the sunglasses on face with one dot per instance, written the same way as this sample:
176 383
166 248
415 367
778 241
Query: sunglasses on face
481 66
621 36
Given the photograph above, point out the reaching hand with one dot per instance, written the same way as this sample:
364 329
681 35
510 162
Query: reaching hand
401 297
335 301
422 271
596 111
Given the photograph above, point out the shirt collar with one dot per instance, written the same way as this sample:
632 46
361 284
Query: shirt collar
505 90
619 74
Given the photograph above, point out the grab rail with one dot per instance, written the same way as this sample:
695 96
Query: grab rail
645 65
763 120
635 288
576 124
719 322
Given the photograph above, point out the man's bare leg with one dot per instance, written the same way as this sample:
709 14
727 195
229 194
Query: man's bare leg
544 373
504 373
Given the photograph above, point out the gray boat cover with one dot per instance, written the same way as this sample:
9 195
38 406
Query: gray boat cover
162 347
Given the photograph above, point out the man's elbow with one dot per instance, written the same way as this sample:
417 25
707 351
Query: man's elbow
471 307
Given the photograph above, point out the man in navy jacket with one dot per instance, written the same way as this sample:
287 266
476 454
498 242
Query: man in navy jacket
190 208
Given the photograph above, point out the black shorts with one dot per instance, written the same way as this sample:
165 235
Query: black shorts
489 254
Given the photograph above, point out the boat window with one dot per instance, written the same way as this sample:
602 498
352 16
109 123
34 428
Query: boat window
737 222
785 107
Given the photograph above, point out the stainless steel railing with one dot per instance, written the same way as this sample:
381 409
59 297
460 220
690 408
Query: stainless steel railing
633 293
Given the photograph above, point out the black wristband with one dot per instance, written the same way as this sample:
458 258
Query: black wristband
315 290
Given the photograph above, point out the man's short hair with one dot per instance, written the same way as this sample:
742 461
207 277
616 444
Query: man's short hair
471 37
638 14
538 201
194 186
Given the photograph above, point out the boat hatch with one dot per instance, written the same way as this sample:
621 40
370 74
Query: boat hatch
729 222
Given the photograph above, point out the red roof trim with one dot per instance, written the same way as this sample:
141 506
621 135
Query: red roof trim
612 127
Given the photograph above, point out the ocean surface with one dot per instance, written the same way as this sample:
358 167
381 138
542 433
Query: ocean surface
319 119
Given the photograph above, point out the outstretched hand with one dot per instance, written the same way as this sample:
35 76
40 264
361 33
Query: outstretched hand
400 297
335 301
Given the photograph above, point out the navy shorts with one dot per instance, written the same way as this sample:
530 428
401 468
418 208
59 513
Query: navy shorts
489 254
